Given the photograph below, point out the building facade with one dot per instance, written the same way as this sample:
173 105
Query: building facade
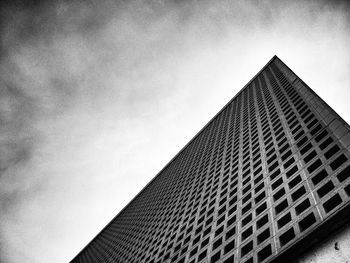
264 181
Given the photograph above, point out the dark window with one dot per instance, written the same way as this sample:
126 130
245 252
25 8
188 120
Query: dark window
277 183
262 221
246 233
325 189
310 156
247 219
247 248
314 165
325 144
306 148
202 255
332 151
292 171
281 206
343 175
316 129
264 253
338 162
321 136
275 174
229 246
246 208
308 221
215 258
302 141
263 235
302 206
230 259
287 236
260 197
217 243
279 194
294 182
284 220
298 193
286 155
332 203
205 242
261 209
219 231
347 189
273 166
289 163
231 233
319 177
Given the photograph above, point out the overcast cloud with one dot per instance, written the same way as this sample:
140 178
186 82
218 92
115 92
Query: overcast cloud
97 96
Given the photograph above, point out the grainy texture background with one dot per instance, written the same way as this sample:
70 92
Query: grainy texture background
97 96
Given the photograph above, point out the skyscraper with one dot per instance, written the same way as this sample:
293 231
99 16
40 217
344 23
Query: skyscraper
263 181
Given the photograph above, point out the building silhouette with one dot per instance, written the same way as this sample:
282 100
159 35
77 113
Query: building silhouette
264 181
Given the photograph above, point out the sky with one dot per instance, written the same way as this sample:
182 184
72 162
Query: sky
97 96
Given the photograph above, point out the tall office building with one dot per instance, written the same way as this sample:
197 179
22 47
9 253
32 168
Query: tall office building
265 179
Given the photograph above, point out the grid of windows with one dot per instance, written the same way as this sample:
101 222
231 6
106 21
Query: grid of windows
264 173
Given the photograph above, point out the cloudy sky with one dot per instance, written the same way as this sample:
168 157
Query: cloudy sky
97 96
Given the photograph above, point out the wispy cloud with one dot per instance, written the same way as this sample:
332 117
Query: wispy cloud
96 96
